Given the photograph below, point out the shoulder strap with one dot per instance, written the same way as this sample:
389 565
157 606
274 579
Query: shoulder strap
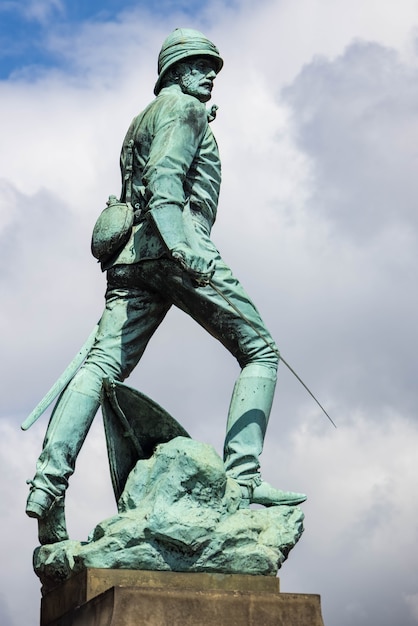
127 179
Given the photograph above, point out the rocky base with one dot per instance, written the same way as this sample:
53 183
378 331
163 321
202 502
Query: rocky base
179 512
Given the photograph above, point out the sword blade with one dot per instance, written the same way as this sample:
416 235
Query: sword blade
308 390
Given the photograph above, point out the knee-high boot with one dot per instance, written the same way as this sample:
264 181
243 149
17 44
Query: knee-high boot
248 417
67 430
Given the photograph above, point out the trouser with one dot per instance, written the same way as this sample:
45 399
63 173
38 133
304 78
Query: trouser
137 300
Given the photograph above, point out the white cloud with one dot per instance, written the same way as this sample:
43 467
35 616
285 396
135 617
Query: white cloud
360 518
357 117
34 10
41 10
412 603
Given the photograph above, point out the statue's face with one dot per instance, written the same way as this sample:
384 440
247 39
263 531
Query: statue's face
196 77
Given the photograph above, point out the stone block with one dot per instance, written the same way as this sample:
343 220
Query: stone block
132 598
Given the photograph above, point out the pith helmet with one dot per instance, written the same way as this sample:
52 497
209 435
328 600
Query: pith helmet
181 44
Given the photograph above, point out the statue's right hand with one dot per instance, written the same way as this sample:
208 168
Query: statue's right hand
200 269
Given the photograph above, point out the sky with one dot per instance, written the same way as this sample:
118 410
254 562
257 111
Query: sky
318 133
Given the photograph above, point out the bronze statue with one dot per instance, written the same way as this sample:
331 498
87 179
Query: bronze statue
171 175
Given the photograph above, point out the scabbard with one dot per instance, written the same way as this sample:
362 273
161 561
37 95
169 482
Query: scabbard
62 381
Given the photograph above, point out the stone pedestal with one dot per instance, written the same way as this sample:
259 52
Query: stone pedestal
103 597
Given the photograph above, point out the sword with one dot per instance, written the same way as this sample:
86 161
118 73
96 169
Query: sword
62 381
269 344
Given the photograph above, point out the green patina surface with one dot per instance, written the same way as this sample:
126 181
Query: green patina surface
171 176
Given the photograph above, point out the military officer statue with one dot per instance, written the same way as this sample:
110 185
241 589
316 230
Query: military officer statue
171 175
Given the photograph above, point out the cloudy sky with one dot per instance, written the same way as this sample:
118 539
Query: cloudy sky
318 132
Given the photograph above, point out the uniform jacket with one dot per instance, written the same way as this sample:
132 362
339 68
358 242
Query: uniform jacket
175 164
